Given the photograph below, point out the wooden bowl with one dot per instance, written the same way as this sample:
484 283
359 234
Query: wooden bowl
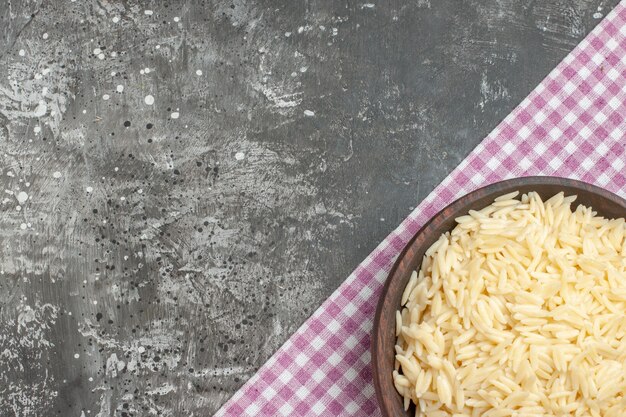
603 202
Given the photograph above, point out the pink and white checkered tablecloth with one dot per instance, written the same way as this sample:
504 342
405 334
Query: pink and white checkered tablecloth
572 125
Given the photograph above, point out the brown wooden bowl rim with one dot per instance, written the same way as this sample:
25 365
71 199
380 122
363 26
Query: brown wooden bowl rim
464 201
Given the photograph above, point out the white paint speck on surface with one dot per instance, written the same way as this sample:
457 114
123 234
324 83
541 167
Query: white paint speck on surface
22 197
239 156
116 19
45 35
22 52
100 56
301 29
41 109
116 169
97 51
37 129
56 174
309 113
84 111
597 15
149 100
198 72
106 97
146 70
18 208
368 6
303 69
76 356
23 226
89 189
148 12
113 73
287 34
119 88
176 19
175 115
123 198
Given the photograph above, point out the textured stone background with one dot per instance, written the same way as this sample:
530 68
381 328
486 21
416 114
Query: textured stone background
154 254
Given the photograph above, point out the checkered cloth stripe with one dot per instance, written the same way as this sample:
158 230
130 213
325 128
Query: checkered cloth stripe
572 125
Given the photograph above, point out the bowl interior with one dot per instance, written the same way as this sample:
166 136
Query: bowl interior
603 202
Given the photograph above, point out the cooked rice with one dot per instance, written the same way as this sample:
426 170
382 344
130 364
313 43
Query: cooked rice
519 311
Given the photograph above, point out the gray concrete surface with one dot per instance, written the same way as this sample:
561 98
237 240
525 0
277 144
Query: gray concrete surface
184 182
